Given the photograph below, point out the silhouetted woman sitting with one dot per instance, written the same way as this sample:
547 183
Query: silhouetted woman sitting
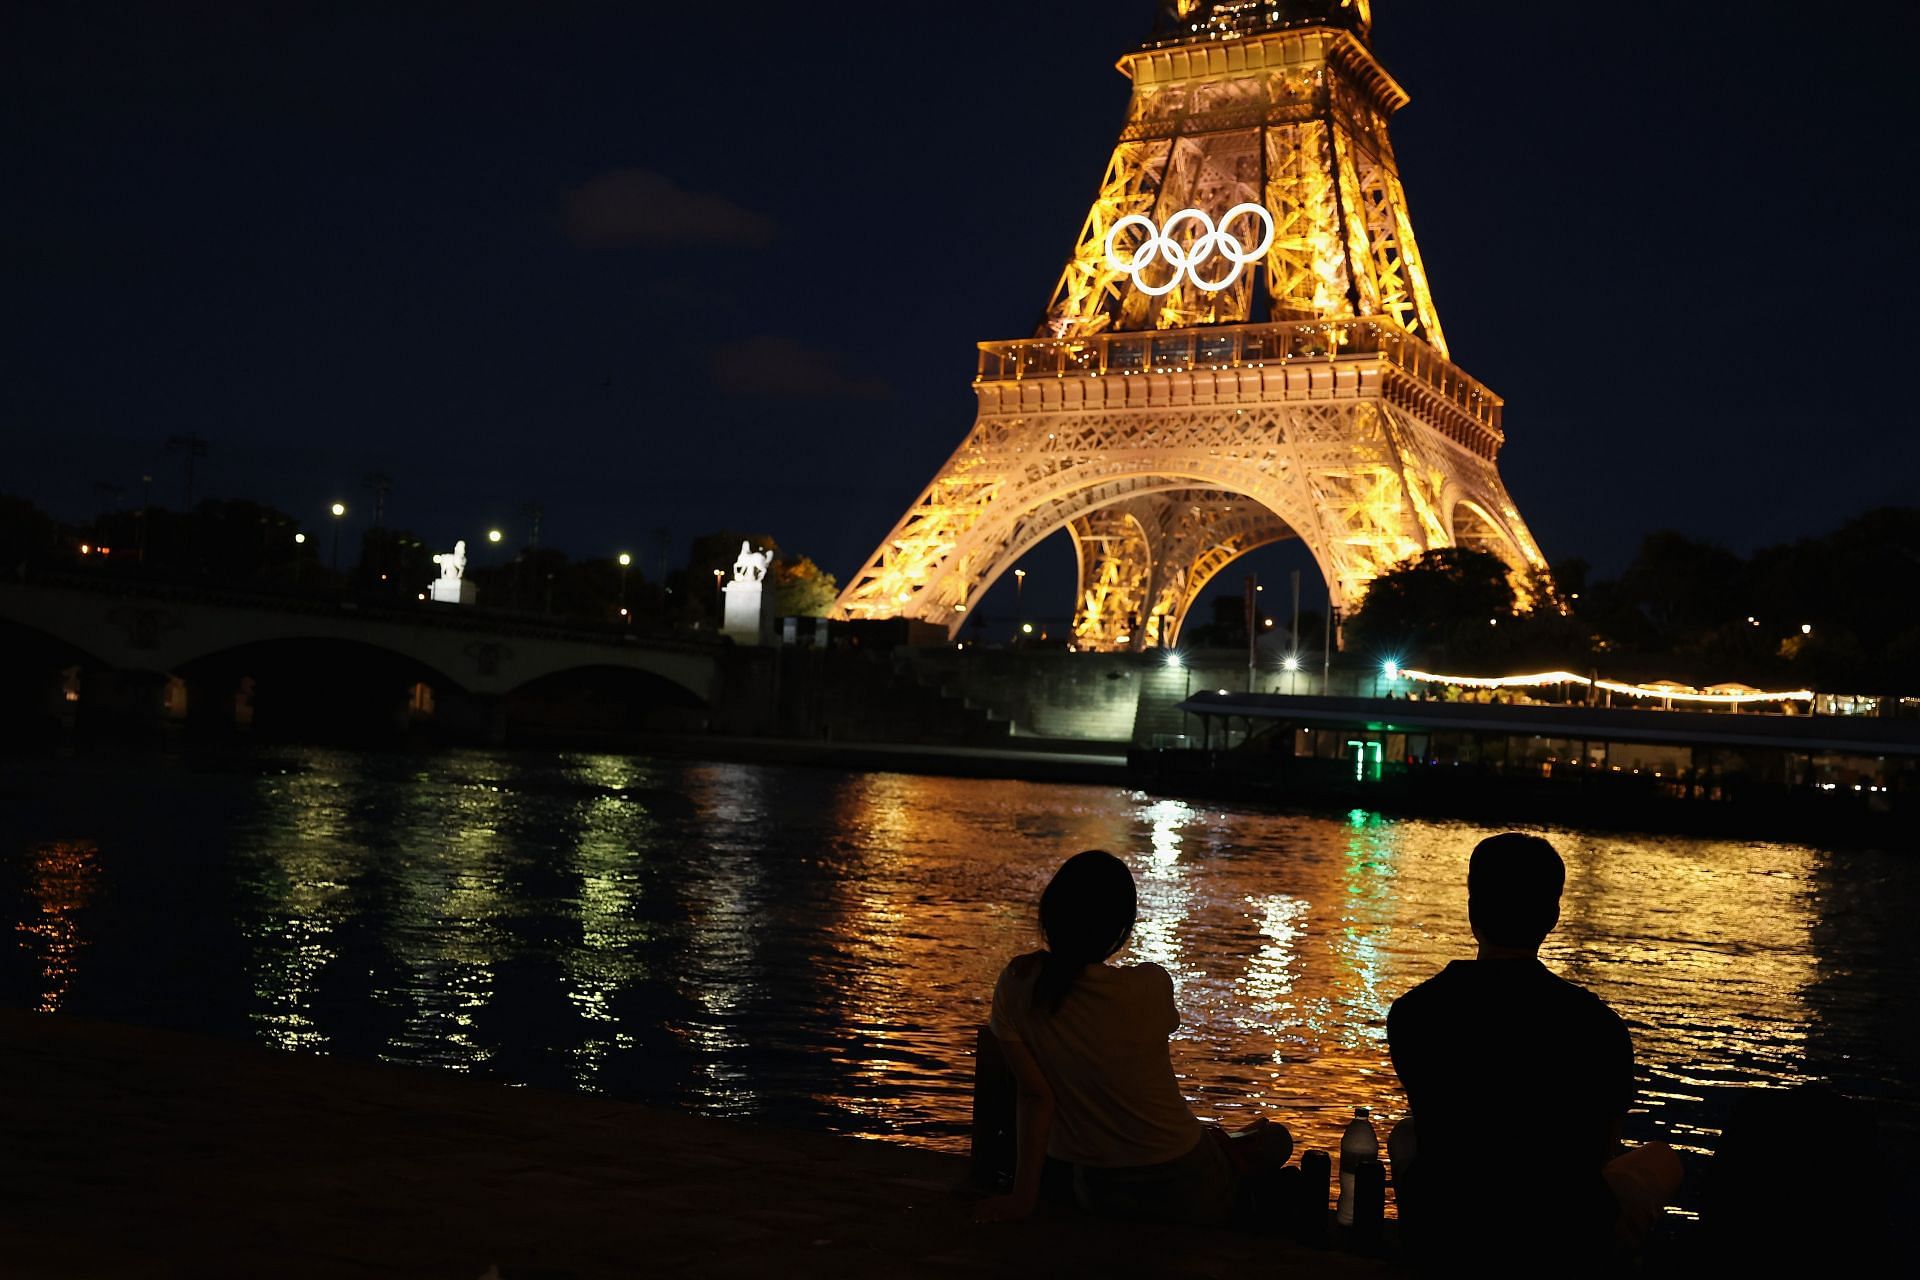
1087 1043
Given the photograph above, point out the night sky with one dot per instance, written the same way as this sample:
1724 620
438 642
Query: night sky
723 265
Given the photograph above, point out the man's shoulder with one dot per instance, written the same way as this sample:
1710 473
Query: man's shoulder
1435 990
1473 981
1584 1003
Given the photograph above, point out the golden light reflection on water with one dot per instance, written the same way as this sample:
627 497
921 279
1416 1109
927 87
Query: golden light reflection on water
62 877
818 948
611 955
1289 937
725 894
299 890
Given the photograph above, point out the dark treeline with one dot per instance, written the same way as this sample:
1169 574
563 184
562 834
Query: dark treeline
1838 612
247 546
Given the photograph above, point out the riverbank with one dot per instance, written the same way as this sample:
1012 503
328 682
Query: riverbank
1024 759
128 1152
1276 784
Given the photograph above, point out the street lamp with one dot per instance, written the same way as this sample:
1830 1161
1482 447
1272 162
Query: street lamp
1177 663
1019 586
625 560
719 592
339 510
494 536
1391 670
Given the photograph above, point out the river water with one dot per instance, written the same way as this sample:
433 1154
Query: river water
812 947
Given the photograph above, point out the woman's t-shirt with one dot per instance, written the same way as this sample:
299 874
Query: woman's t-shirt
1104 1052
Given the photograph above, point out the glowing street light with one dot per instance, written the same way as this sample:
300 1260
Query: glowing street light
339 510
625 560
1291 663
1019 586
1175 662
299 539
1391 670
494 536
1026 628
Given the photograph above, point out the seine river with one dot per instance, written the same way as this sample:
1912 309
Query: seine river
816 948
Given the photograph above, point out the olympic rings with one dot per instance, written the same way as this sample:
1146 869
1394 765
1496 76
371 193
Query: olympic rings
1186 261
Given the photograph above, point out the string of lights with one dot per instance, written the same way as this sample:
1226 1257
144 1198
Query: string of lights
1544 678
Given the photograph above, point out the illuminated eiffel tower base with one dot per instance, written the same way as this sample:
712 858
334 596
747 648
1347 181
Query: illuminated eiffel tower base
1242 349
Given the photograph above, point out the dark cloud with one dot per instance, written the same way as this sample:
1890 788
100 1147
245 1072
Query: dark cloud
639 207
782 369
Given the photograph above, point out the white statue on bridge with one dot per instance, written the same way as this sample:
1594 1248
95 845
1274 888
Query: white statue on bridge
452 587
751 565
749 608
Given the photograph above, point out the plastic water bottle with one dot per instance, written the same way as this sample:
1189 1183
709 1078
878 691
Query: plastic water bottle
1356 1144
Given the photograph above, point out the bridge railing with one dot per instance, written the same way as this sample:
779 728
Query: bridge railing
488 621
1236 347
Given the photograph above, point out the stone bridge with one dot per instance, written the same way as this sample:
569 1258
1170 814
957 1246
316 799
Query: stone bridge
144 630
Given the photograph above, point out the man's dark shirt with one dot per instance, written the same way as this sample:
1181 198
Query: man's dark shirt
1515 1078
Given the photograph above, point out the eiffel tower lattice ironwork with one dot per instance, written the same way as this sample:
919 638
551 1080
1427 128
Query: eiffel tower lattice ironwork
1242 349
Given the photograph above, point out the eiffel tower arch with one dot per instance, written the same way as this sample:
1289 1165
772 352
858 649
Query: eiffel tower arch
1241 349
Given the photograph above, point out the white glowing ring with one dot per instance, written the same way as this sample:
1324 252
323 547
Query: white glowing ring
1159 243
1144 256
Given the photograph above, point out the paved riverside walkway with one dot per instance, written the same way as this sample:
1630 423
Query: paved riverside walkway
131 1152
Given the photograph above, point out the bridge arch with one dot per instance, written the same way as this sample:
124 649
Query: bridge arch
600 698
1259 511
144 635
329 686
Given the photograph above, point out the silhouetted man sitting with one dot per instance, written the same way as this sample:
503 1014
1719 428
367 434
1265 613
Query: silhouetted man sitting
1518 1081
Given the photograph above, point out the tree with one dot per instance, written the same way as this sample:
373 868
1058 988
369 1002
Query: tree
395 564
27 534
1434 607
1682 585
802 589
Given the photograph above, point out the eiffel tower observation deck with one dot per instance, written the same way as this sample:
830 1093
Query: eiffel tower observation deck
1241 348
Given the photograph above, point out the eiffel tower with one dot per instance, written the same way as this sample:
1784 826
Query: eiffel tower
1242 349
